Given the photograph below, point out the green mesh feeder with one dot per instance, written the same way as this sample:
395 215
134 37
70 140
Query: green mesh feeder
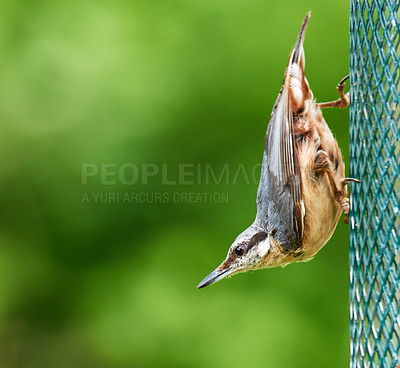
375 203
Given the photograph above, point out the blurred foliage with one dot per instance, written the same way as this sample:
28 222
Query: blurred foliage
162 82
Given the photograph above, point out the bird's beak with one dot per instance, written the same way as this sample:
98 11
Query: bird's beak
214 277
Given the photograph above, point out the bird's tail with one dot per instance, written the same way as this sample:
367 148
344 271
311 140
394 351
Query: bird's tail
298 51
295 80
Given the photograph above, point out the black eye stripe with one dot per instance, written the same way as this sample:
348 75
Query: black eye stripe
256 238
244 247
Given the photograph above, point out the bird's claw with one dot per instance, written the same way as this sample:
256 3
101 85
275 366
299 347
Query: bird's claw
346 181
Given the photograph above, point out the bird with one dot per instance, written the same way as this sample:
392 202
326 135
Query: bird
303 189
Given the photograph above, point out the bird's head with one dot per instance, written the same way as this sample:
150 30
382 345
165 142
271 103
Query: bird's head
245 254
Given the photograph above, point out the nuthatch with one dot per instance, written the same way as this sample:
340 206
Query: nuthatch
302 190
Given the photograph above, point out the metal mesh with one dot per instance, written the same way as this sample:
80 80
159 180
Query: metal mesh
375 203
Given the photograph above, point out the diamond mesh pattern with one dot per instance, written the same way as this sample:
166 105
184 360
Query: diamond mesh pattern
375 160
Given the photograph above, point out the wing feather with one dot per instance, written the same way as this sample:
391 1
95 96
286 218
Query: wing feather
280 206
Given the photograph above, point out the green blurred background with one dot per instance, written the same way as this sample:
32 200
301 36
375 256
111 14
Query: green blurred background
112 285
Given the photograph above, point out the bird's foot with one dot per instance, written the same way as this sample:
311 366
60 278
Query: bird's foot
344 204
344 201
322 162
344 99
346 181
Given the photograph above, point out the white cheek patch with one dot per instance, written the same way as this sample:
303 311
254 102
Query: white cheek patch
252 259
263 247
258 252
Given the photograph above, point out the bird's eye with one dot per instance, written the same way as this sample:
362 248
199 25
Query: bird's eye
239 250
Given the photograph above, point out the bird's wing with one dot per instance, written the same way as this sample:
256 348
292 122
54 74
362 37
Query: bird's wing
280 206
